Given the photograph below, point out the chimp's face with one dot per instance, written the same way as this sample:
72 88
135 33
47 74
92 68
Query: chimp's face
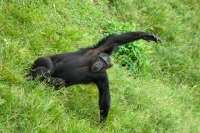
101 62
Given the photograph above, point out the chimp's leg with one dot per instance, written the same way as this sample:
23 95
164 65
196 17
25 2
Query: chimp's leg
44 68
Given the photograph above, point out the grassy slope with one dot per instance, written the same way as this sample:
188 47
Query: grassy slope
166 101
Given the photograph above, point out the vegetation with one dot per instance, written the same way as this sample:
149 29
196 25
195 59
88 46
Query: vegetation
164 96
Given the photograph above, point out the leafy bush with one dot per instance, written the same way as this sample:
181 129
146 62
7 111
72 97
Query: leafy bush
132 56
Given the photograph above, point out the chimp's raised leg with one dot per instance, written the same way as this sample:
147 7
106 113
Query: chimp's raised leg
44 67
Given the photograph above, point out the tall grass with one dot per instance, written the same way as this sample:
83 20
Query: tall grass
164 100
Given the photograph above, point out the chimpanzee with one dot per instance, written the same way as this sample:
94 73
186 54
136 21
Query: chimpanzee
87 65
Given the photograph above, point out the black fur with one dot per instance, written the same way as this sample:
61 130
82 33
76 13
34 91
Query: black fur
68 69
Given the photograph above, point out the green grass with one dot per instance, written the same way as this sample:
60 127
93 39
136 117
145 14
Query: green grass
163 98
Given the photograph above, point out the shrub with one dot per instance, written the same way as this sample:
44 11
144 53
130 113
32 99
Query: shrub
132 56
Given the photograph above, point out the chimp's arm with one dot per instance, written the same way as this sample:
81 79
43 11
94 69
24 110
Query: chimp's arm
104 96
110 43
